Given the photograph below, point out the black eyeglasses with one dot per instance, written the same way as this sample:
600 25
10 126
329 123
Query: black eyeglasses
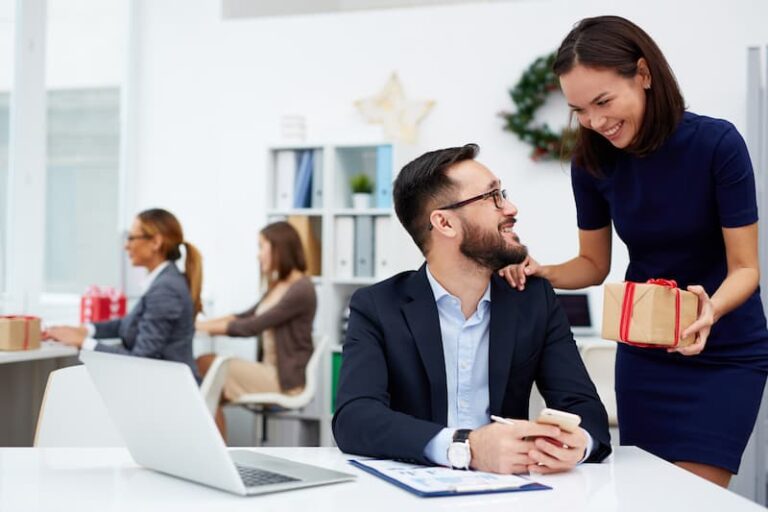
131 238
499 196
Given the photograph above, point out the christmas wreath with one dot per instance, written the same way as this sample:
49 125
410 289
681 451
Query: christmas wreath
530 93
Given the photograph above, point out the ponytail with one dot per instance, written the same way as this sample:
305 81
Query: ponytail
193 273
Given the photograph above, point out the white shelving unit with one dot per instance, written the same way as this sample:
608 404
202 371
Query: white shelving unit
329 206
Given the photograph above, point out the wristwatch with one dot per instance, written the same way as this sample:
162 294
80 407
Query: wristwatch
459 453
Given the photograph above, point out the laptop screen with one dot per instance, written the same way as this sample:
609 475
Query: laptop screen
576 306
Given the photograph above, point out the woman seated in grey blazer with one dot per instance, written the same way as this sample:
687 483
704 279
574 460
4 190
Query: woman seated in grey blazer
282 319
162 324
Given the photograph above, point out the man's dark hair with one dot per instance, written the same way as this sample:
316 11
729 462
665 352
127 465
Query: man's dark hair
422 186
612 42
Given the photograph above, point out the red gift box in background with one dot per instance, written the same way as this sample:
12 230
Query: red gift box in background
101 303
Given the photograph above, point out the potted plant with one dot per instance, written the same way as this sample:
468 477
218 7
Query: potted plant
362 188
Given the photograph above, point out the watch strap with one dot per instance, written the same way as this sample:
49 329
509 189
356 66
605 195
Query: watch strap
461 435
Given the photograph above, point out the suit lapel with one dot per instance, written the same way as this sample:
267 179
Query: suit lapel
502 339
423 320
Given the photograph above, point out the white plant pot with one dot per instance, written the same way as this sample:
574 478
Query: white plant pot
361 201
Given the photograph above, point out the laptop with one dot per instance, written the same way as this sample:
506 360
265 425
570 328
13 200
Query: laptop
158 408
576 307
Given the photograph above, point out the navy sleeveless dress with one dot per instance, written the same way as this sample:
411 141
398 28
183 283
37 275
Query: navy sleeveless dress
669 208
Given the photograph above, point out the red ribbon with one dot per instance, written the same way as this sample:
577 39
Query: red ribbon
628 304
25 345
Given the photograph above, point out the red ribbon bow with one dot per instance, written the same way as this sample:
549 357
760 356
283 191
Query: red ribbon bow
628 304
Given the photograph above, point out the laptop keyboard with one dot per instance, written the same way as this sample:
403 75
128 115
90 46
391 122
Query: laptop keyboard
253 477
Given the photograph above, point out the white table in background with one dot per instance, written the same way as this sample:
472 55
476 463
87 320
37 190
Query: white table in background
23 375
78 479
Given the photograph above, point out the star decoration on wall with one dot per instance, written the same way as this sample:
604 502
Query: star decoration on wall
398 115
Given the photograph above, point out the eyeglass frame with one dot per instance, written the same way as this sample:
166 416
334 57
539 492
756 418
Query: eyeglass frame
131 238
499 195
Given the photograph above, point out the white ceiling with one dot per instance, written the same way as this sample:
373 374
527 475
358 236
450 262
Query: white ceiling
261 8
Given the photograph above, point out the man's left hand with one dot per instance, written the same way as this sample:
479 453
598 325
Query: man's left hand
559 456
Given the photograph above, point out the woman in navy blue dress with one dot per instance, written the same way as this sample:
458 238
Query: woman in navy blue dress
679 190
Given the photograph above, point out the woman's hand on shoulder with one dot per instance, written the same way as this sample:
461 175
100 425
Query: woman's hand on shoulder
517 274
701 326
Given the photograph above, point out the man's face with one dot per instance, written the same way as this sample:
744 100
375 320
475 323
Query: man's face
487 225
489 248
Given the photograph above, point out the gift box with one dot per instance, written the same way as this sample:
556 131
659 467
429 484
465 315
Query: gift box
19 332
101 303
652 314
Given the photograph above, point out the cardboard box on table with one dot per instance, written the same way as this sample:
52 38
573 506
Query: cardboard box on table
19 333
647 314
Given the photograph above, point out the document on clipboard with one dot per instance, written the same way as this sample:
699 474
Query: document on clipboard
433 481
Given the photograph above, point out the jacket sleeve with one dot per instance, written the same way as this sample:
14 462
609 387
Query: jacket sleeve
364 423
109 329
295 302
162 309
564 382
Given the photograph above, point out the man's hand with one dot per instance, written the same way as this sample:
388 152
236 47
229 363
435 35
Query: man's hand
558 454
502 448
73 336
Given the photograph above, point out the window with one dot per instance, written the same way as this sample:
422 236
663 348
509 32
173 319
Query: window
85 47
7 14
81 231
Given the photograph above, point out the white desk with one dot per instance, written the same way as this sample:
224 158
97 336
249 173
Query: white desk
47 350
78 479
23 375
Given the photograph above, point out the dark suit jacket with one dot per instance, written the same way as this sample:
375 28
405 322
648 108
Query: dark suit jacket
160 326
392 397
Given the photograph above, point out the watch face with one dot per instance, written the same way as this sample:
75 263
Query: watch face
458 455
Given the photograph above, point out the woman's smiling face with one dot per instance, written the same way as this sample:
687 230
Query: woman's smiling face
607 102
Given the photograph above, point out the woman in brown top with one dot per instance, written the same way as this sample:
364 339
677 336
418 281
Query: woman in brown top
282 319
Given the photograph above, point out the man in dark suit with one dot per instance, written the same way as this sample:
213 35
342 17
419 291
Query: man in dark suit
431 354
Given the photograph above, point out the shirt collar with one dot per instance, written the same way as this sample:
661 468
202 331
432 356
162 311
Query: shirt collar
439 292
153 275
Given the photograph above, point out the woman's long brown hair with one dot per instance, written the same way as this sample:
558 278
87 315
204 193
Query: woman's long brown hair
162 222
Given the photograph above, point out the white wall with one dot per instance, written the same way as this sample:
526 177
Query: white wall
84 47
211 94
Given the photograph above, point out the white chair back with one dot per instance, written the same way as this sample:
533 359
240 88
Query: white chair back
298 401
600 360
213 383
73 414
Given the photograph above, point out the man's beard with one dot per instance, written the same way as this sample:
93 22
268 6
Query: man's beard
489 249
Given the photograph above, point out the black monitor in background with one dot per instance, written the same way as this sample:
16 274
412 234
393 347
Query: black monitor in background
576 306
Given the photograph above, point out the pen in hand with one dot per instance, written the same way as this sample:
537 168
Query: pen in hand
499 419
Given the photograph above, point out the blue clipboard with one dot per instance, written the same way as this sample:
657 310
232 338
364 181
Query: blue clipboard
449 490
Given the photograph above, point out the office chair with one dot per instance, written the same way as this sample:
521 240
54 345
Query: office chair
600 360
265 404
73 414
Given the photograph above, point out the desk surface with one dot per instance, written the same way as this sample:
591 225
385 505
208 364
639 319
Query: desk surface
47 350
78 479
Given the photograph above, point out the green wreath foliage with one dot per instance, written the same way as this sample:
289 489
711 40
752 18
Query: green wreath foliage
529 94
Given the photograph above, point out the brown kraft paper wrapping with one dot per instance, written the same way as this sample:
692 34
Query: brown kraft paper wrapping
650 318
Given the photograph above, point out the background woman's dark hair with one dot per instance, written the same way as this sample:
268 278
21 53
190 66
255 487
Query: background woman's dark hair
422 186
287 251
612 42
158 221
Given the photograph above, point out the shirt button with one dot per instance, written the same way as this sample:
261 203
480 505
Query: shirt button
464 366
